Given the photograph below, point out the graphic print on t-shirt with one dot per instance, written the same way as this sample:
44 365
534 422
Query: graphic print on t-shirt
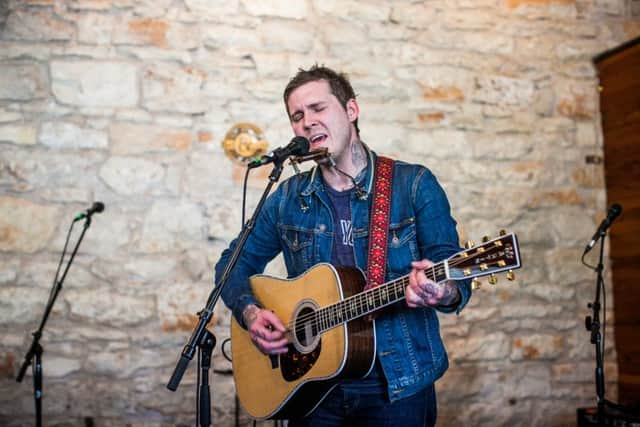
347 235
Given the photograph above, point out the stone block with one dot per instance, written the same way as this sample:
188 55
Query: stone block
212 9
531 310
106 306
68 135
501 90
22 81
60 367
170 88
21 305
537 346
18 231
111 232
151 268
178 305
38 169
18 134
37 25
491 346
130 175
541 9
440 143
576 100
155 32
276 8
294 37
95 83
344 33
415 15
131 139
95 28
171 224
100 5
227 36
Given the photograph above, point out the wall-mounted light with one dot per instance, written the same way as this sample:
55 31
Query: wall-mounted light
243 142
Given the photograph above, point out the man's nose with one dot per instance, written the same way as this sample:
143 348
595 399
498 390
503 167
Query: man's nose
309 121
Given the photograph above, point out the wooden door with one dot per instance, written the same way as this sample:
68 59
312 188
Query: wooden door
619 73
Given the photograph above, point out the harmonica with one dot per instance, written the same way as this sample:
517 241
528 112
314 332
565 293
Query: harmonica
319 154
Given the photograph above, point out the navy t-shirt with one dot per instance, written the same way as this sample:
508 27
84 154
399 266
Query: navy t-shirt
343 254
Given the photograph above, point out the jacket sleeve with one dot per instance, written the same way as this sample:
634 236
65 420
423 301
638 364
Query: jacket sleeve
262 245
437 235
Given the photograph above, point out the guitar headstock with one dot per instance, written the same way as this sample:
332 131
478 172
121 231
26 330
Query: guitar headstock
491 257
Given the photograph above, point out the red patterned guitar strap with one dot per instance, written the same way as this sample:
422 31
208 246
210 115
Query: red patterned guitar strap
379 223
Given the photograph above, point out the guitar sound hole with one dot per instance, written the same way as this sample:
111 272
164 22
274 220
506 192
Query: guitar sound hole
294 364
305 349
306 328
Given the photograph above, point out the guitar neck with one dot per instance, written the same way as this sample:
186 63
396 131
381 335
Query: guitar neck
371 300
493 256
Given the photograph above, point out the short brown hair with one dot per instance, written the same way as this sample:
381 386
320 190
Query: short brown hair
338 83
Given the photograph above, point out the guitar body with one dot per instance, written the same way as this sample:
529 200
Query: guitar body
293 384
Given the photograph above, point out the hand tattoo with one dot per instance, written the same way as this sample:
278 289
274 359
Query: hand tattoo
249 315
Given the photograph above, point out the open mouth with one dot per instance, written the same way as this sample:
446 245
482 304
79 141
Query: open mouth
317 139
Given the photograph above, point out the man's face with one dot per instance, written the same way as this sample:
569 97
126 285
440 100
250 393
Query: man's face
316 114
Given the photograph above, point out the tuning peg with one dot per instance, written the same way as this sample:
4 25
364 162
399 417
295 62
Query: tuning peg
475 284
485 239
511 275
493 279
469 244
503 232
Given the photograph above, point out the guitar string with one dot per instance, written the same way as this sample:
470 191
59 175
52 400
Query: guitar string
360 300
397 286
333 314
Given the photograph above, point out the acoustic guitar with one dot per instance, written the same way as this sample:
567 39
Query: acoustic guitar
330 337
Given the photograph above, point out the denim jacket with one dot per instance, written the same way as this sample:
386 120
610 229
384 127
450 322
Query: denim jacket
297 220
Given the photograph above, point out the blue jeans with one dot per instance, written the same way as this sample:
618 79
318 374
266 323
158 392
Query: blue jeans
349 408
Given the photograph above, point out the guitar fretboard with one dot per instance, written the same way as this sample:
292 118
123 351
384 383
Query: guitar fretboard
369 301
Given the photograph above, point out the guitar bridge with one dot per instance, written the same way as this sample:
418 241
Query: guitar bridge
275 361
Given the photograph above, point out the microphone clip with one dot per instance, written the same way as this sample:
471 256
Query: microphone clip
97 207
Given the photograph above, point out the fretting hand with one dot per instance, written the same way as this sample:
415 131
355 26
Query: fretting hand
424 292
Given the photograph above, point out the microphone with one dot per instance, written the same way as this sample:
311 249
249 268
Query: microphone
299 146
97 207
612 214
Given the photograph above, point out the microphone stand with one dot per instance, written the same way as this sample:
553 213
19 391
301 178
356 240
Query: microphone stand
201 337
592 324
34 354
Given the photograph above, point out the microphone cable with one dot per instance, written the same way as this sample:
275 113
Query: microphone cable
360 193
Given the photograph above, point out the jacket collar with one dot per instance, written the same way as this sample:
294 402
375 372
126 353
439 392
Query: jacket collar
316 182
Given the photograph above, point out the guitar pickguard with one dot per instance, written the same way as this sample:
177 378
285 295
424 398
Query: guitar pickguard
294 365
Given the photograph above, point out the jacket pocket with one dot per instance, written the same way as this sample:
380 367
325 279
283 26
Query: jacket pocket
297 248
402 247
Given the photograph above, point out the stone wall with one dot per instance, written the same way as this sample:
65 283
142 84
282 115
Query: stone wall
128 101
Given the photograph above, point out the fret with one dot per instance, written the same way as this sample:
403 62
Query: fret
315 321
361 304
324 323
442 275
